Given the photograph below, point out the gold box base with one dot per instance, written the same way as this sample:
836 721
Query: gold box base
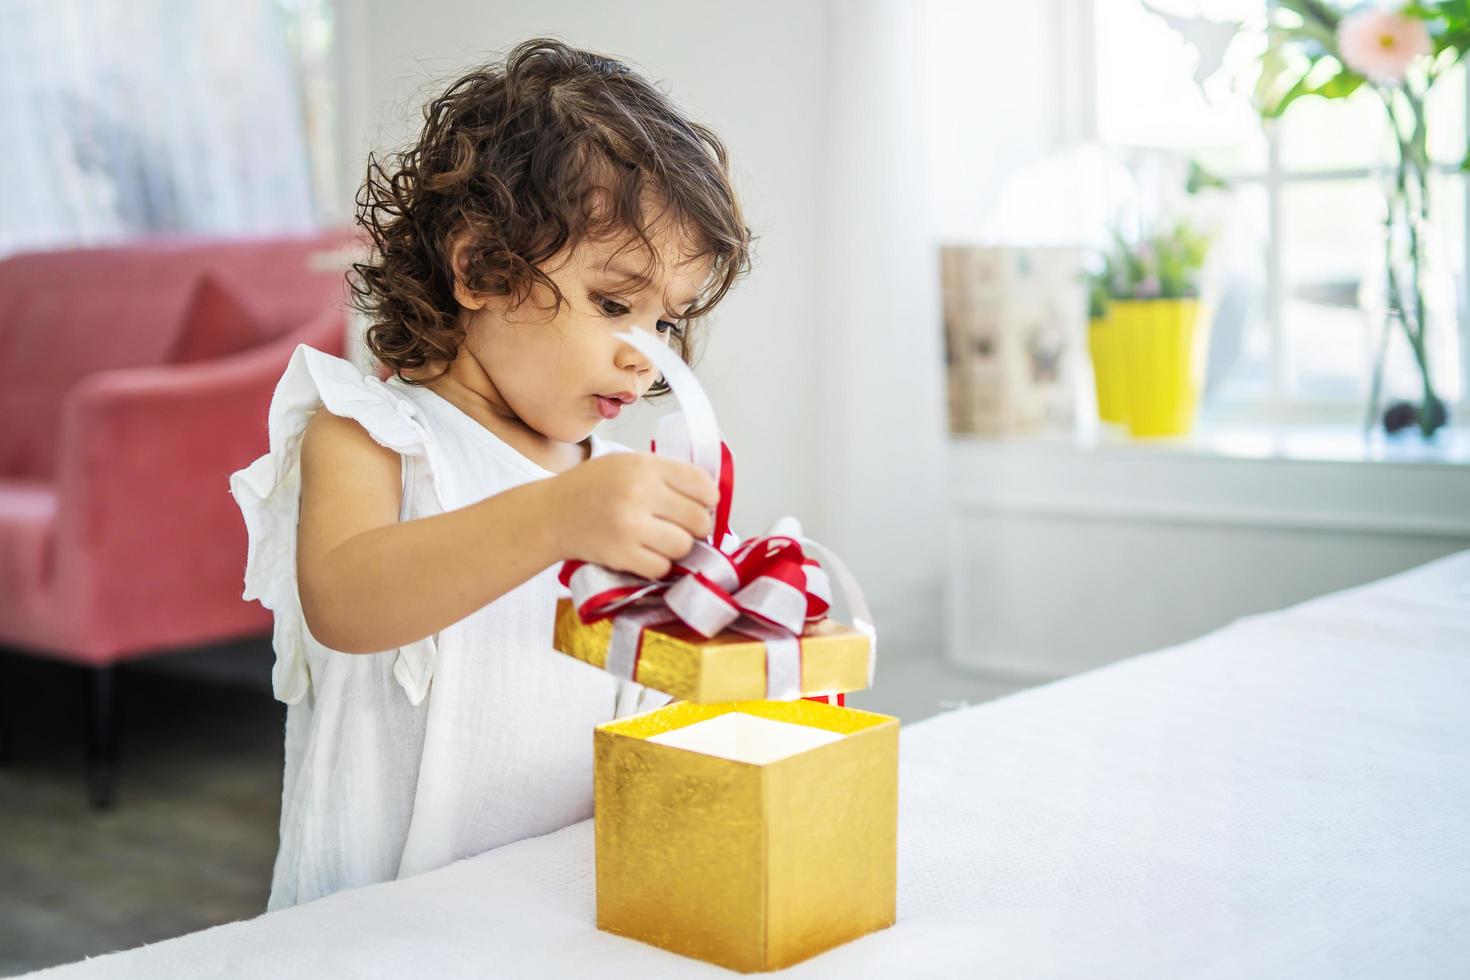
753 867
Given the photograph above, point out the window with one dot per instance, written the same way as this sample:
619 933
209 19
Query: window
1306 215
127 118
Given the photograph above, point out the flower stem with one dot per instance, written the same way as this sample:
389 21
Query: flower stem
1411 170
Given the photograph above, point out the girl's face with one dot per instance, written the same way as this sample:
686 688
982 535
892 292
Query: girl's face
560 374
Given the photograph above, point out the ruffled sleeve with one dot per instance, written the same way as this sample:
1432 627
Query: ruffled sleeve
268 492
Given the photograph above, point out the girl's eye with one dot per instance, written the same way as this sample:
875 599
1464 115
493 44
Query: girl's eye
611 307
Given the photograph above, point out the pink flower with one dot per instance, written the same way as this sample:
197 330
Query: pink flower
1381 44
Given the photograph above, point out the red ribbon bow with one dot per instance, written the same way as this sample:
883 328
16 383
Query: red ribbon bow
767 588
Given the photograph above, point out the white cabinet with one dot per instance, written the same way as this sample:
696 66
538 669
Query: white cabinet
1064 555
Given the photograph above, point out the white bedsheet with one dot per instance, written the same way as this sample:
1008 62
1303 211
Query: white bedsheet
1286 797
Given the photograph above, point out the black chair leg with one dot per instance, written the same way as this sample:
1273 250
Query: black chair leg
101 736
7 723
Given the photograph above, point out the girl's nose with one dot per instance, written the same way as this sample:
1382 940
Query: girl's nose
630 357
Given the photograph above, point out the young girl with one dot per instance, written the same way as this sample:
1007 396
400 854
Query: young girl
407 538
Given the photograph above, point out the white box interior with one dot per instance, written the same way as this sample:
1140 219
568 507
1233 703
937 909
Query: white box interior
746 738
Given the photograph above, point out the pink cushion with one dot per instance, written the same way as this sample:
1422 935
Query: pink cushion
65 315
27 521
27 513
216 324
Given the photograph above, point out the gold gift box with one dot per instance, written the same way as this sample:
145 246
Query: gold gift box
750 866
729 667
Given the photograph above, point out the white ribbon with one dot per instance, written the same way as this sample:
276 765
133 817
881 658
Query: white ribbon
693 435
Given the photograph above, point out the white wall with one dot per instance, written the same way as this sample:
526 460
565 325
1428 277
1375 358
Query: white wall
880 424
1000 84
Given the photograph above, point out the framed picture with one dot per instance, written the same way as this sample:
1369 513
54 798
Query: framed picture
1015 320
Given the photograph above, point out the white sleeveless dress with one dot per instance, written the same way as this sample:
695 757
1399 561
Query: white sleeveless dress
480 735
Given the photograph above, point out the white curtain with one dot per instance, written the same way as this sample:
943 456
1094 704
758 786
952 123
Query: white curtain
121 118
881 428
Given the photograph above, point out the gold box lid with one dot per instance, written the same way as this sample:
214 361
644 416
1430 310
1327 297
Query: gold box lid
730 666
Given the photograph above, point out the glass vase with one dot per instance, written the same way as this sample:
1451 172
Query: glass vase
1414 373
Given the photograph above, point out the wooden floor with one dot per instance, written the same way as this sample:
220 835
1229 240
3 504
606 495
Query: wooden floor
188 844
191 839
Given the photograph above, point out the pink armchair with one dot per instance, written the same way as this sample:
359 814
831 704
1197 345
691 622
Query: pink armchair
118 535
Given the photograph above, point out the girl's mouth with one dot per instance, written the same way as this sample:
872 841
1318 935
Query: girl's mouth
608 408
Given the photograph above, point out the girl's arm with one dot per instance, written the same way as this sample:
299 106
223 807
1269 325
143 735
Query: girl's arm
370 583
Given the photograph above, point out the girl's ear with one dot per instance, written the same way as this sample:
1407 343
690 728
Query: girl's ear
458 254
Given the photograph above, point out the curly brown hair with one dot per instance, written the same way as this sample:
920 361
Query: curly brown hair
523 158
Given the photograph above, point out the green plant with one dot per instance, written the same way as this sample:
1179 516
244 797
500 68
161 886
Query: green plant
1163 264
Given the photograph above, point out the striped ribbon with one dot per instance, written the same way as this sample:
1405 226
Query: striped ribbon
767 588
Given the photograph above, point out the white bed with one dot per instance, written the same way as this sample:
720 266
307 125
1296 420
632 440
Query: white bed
1286 797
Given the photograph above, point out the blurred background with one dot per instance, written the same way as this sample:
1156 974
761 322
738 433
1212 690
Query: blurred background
1079 328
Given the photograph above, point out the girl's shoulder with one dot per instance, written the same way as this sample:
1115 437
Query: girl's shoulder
314 379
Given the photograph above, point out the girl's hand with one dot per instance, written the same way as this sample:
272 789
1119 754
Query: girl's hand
634 512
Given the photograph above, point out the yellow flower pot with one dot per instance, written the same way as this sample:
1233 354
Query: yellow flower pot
1107 371
1157 360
